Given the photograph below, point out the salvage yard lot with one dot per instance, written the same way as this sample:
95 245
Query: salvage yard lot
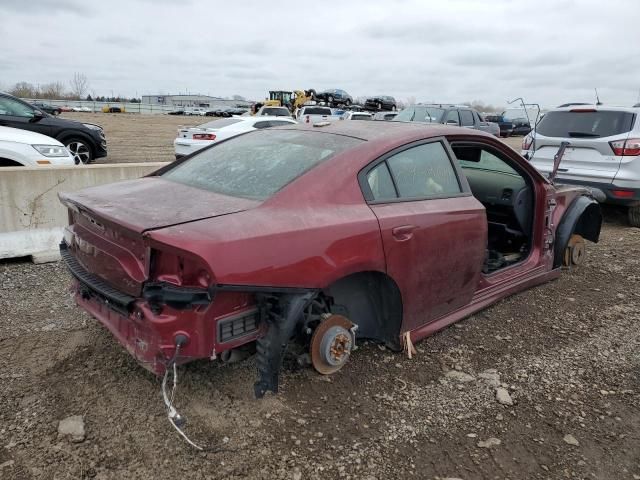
149 138
567 351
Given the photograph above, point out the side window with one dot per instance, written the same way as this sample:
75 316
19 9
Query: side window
424 171
467 118
452 117
264 124
9 106
479 117
380 183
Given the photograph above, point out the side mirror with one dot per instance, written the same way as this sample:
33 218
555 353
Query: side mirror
37 116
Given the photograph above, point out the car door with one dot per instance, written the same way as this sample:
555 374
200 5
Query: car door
466 119
17 114
433 230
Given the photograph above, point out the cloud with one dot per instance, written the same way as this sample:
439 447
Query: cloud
492 50
44 7
124 41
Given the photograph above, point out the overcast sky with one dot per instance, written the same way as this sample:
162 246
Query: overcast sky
547 51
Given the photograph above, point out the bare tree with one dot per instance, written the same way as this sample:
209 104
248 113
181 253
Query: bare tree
410 100
24 90
52 90
79 85
238 97
480 106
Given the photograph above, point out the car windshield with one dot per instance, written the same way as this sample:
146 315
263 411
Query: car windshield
585 124
225 122
420 114
258 164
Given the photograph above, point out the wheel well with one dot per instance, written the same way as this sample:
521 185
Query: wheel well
371 300
64 139
584 218
5 162
589 223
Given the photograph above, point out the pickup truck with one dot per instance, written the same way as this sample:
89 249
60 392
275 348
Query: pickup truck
314 114
506 126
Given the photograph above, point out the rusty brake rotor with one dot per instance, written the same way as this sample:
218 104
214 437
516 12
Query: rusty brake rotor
575 252
331 344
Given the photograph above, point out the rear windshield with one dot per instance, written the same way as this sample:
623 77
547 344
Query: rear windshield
317 111
585 124
420 114
258 164
225 122
360 116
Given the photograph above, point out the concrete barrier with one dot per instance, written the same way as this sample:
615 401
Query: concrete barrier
31 216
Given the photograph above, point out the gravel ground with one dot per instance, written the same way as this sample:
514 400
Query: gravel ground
149 138
543 385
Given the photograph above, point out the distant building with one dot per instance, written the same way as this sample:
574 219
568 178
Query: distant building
189 101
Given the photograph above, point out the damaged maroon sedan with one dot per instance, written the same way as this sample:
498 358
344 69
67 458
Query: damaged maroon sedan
321 235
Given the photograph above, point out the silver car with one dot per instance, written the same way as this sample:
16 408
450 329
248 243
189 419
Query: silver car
460 115
603 151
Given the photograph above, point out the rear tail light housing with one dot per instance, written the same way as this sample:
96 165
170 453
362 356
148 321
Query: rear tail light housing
622 193
527 141
626 148
204 136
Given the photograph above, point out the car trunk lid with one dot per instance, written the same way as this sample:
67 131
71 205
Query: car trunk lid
589 131
108 223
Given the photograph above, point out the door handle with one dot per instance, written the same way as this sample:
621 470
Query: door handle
403 232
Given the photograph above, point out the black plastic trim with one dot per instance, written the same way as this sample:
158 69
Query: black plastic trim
92 282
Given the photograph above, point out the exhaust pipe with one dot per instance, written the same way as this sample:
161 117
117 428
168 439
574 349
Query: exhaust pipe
234 355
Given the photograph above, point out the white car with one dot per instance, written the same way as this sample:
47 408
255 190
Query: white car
80 109
356 116
195 111
192 139
29 149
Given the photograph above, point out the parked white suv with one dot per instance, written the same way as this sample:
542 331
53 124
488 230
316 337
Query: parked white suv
22 148
603 151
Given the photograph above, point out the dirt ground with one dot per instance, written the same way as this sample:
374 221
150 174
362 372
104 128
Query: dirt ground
568 352
138 138
149 138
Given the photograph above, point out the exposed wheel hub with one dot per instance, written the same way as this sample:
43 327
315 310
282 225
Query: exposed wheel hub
575 252
331 344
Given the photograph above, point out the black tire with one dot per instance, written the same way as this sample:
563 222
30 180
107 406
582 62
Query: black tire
394 108
330 100
634 216
379 106
80 149
348 102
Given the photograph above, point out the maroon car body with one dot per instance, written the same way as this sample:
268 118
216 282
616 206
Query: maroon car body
162 261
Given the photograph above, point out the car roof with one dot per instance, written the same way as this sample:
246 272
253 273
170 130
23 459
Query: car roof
387 132
602 108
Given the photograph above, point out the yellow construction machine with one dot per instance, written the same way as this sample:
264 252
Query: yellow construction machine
291 100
